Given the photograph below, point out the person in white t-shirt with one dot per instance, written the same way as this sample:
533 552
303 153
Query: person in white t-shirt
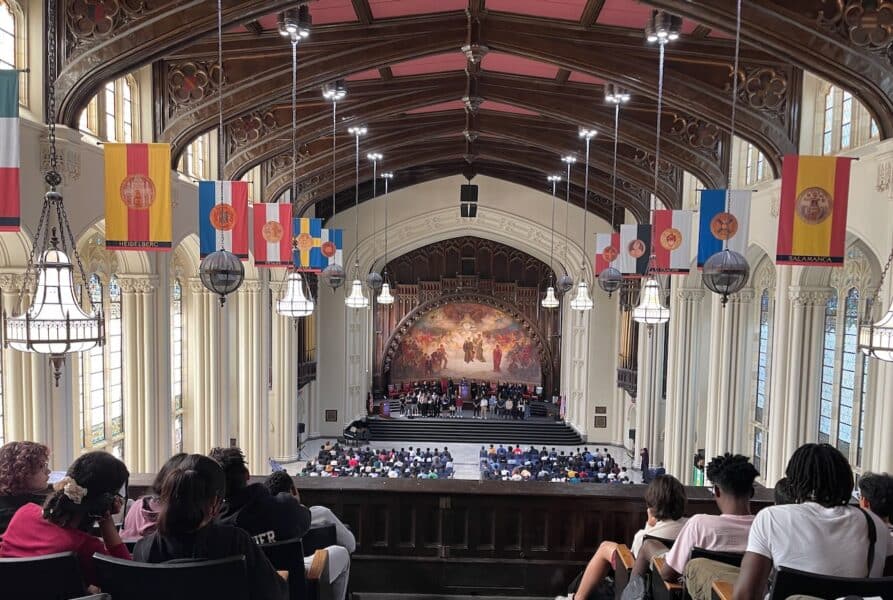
665 504
820 533
732 476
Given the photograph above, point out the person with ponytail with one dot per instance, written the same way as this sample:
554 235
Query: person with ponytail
87 495
191 496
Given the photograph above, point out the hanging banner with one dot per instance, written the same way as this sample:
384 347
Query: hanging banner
272 234
138 197
718 226
635 249
671 241
307 245
10 153
812 217
332 246
607 249
223 217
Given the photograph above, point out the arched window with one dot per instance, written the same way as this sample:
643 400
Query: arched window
754 165
253 179
761 408
113 113
177 364
8 31
874 131
101 389
828 127
844 379
846 121
196 159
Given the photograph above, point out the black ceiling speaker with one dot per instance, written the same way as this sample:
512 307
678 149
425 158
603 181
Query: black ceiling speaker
469 193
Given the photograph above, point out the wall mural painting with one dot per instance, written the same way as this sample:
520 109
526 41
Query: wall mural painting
467 340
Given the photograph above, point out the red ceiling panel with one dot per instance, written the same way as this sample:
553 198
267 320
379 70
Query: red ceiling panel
385 9
437 63
570 10
507 108
632 14
517 65
578 77
364 75
325 12
451 105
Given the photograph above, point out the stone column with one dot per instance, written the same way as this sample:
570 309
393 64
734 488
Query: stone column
142 425
253 413
729 374
682 380
356 385
283 398
203 374
650 384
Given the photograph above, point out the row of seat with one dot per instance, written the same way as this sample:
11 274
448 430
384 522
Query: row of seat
58 577
788 582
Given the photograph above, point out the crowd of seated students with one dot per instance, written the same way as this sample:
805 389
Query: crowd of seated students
516 464
334 460
199 507
814 527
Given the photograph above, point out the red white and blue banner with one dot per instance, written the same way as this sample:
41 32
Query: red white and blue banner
332 246
718 225
272 234
671 242
223 217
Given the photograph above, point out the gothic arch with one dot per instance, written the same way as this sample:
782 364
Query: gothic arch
409 320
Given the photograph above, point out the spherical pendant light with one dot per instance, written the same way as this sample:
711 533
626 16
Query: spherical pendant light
564 283
550 301
610 280
374 281
334 276
725 273
222 273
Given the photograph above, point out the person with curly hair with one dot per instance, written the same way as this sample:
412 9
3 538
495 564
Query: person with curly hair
732 476
24 473
87 495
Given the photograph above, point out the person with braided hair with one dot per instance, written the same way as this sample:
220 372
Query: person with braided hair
820 532
732 476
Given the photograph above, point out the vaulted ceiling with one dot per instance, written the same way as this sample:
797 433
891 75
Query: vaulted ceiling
434 113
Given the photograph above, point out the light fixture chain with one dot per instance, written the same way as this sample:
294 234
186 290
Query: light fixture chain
734 110
52 177
386 198
294 122
880 285
66 230
660 106
220 132
614 176
334 142
567 206
356 208
585 209
552 230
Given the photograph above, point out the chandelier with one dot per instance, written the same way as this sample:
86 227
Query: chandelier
357 298
583 301
295 303
651 310
334 275
876 339
55 323
385 296
610 279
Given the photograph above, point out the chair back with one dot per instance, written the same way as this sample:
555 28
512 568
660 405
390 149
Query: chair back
288 555
319 538
187 580
50 577
665 541
729 558
790 582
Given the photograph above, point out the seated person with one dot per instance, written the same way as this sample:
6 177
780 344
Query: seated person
191 496
23 477
820 532
142 517
876 495
88 493
732 477
265 517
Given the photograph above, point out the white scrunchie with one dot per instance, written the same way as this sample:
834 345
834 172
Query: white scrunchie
72 490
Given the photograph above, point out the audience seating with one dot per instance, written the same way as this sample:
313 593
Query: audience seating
729 558
789 582
665 541
130 580
50 577
288 555
660 589
722 590
319 538
623 564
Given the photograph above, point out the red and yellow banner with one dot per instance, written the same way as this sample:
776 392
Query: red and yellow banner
138 197
812 217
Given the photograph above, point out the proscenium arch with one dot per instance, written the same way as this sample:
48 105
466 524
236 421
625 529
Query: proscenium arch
406 324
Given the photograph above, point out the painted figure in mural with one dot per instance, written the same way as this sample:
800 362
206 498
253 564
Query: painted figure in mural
479 348
443 356
468 348
497 359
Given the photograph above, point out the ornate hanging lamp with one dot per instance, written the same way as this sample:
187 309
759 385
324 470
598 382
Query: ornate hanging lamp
221 271
385 296
566 282
726 272
661 29
610 279
334 275
357 297
296 302
583 301
876 339
549 300
54 323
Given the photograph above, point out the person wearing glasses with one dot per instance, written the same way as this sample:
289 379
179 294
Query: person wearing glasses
87 495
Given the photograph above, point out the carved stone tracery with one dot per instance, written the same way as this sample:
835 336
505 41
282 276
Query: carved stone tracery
864 23
763 88
91 20
250 128
189 82
702 136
